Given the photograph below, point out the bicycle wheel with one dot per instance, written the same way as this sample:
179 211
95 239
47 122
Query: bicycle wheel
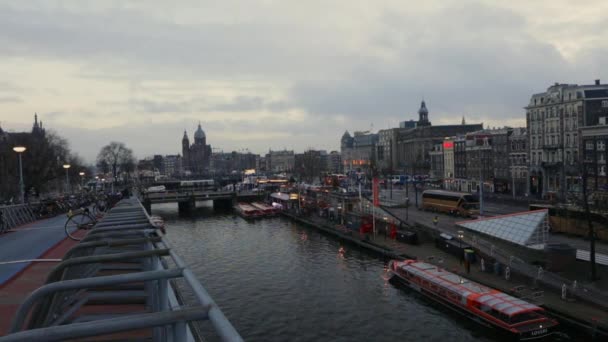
77 222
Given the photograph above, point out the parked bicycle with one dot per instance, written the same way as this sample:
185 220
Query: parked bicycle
86 217
81 219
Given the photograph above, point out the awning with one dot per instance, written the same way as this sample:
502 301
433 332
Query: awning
527 228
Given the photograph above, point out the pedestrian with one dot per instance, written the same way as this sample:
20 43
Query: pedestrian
435 220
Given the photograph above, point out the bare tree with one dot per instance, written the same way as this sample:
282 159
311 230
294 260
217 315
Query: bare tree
117 157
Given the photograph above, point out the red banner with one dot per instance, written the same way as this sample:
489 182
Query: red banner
376 191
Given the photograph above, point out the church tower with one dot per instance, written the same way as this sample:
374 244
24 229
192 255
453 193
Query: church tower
186 151
423 115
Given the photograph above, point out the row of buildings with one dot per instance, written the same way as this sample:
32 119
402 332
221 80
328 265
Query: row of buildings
200 160
565 138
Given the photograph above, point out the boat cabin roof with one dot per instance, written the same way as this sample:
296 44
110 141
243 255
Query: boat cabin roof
471 290
506 304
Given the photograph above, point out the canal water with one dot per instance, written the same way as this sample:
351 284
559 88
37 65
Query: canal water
280 281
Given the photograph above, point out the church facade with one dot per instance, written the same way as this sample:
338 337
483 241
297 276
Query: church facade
196 157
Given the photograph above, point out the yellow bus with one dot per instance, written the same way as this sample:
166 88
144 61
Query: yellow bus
454 203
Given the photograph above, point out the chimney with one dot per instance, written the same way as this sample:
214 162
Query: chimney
597 82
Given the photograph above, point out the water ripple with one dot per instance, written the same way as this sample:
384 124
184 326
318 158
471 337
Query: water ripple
278 281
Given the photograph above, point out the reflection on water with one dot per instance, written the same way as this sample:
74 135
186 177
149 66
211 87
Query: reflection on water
279 281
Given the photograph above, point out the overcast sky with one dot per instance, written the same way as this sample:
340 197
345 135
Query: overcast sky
283 74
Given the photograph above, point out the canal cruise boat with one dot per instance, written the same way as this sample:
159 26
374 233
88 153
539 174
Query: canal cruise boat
492 308
247 211
266 209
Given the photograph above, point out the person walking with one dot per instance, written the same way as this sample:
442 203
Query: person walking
435 220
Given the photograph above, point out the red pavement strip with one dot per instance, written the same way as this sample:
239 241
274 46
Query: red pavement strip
14 291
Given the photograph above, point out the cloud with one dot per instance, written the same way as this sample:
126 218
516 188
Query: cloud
288 73
5 99
474 58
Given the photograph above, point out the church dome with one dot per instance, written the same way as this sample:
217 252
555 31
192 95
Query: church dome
199 134
346 136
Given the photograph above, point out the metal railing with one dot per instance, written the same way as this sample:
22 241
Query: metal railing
539 276
12 216
124 260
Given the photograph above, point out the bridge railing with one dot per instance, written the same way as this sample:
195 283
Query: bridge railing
141 265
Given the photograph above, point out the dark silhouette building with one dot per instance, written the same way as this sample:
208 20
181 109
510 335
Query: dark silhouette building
196 157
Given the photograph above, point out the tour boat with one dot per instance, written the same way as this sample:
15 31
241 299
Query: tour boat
490 307
247 211
266 209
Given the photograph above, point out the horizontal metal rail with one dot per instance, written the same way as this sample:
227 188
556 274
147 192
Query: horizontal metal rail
56 272
77 284
109 326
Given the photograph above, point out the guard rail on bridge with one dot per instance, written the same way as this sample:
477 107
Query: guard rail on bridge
12 216
117 283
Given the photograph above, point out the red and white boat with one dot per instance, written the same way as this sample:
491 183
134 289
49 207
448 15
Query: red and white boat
247 211
266 209
490 307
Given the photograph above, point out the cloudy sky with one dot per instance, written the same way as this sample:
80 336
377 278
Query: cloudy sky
283 74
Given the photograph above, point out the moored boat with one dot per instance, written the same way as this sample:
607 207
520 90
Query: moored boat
490 307
266 209
247 211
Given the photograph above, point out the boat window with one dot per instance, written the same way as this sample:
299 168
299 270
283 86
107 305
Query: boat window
522 317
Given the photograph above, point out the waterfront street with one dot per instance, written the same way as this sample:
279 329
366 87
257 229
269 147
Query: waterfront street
491 208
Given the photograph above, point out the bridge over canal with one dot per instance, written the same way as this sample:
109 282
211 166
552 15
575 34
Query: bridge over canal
186 200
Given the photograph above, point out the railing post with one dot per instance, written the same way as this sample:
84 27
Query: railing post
179 331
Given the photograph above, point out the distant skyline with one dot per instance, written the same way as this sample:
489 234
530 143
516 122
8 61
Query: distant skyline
283 74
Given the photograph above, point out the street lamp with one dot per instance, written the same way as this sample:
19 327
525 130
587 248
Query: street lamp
81 173
20 150
460 237
67 177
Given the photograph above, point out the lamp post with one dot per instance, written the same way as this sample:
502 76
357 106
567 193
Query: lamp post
460 237
67 177
81 179
20 150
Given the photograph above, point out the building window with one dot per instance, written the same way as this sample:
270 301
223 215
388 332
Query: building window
589 145
601 145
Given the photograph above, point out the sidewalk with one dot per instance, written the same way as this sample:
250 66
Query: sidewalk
29 241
